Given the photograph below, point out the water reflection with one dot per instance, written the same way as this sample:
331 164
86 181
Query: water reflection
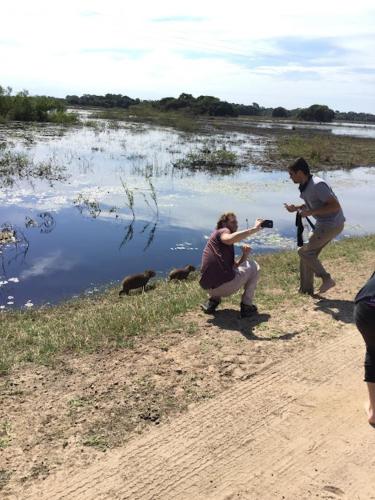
124 208
46 222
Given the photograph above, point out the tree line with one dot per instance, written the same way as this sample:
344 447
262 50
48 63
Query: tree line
24 107
213 106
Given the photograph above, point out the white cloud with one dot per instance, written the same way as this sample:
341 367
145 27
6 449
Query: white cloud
47 265
140 48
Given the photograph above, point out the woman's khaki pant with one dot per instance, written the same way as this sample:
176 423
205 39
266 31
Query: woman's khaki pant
247 275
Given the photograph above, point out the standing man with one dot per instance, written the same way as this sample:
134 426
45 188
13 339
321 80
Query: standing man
221 274
364 317
321 203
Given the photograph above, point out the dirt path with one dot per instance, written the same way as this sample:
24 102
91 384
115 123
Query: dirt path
295 430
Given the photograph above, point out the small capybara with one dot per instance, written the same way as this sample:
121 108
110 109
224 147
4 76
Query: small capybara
135 281
181 274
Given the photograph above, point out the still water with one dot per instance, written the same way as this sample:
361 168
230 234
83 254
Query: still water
122 207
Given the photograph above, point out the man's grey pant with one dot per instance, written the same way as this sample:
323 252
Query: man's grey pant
247 275
308 253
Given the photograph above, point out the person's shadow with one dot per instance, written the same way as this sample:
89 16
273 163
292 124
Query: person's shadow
340 310
229 319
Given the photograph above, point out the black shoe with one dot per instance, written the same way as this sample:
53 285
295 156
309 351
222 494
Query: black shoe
210 306
248 310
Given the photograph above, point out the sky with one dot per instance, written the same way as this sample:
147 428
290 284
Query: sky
276 53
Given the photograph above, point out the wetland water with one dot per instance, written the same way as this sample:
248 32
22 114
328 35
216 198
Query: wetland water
78 234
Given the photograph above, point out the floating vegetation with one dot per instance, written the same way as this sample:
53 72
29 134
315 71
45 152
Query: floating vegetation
218 161
13 244
84 204
46 222
18 166
7 235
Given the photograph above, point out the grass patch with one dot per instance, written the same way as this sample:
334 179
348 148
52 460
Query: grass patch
63 118
324 150
109 322
217 161
96 441
4 435
149 114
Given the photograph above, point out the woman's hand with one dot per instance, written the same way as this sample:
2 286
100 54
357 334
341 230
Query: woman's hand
246 249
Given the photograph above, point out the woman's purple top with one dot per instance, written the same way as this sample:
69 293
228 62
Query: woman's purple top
217 261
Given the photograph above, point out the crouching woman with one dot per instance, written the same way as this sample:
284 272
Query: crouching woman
221 274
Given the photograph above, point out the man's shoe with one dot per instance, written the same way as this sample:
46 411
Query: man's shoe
248 310
210 306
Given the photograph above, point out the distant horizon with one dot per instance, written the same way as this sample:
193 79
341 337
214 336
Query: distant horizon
285 54
197 95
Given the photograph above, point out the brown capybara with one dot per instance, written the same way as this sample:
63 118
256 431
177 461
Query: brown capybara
181 274
135 281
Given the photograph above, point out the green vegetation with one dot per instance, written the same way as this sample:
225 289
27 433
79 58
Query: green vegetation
316 113
5 438
23 107
323 150
106 101
280 112
146 112
206 159
17 166
109 322
187 105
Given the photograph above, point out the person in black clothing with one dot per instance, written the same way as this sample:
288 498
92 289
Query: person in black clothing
364 317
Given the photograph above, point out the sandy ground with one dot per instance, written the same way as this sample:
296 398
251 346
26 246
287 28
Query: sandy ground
233 409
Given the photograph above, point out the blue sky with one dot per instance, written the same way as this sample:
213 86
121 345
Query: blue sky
275 53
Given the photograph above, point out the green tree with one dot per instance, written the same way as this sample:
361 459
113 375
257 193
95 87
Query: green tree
317 113
279 112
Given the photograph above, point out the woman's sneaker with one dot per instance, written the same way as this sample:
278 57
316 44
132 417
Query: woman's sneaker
210 306
248 310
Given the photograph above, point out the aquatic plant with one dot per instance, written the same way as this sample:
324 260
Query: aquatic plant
130 197
92 206
18 166
205 158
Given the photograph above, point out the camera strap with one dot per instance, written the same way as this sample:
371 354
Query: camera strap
300 228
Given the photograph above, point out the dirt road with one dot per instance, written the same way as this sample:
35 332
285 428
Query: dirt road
295 430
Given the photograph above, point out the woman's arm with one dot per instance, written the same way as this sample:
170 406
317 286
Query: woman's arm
231 238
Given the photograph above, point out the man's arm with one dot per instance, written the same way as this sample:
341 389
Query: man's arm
330 206
230 238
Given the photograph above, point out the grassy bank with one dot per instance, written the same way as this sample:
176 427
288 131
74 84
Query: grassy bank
322 150
110 322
